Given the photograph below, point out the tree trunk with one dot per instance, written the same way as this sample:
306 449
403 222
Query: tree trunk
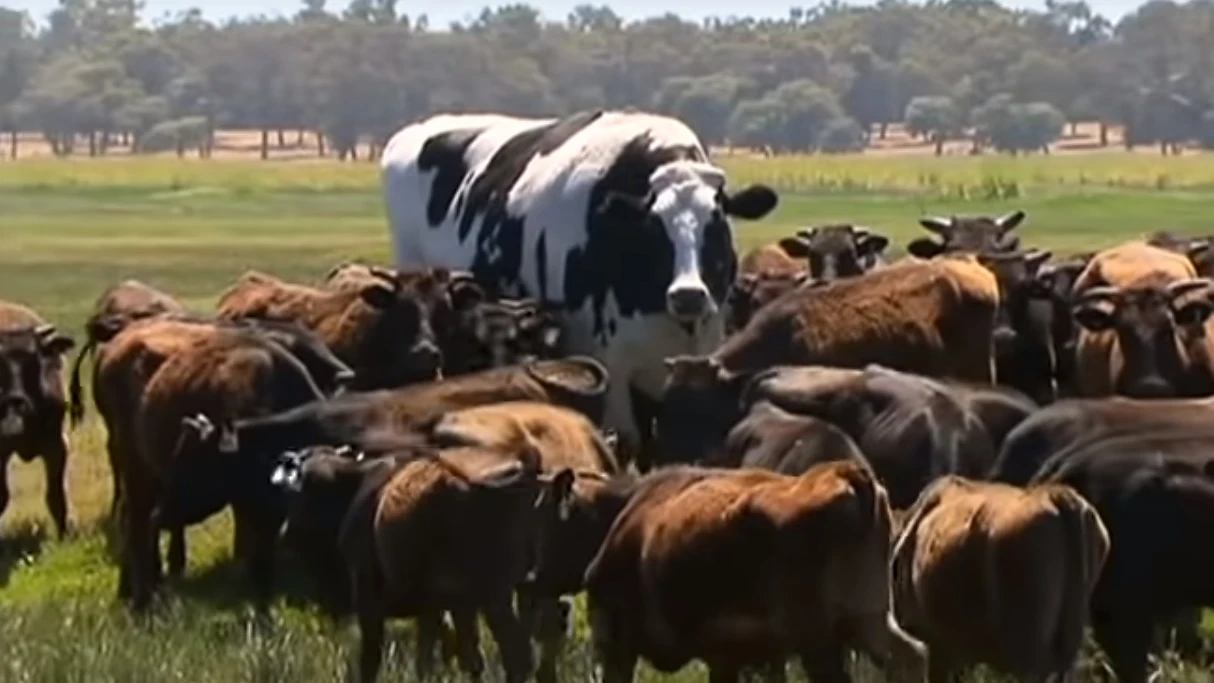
265 144
1074 128
180 148
1104 134
282 140
884 129
92 143
12 144
320 143
299 137
1163 148
939 146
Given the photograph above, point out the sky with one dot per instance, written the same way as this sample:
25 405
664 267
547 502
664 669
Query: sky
442 12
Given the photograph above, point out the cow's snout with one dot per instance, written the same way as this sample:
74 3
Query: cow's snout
426 358
14 411
688 303
1004 338
1151 386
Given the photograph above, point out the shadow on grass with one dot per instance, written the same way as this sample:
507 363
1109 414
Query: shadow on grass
225 585
20 546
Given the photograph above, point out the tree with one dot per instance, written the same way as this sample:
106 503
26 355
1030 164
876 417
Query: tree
841 135
936 119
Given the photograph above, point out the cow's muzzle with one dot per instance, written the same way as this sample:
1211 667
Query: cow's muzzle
426 359
688 304
14 412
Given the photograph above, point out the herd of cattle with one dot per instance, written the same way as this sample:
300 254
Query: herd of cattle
966 455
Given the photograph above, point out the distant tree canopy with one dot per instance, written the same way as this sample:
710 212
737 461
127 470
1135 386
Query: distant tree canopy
827 78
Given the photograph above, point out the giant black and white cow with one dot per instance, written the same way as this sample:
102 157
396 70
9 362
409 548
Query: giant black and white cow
618 218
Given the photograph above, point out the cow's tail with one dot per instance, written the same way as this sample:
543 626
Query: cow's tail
75 405
1087 548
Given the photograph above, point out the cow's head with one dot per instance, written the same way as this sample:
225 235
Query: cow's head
492 334
1153 324
691 203
753 291
331 375
699 405
575 510
30 362
1058 277
976 234
405 342
835 251
1025 353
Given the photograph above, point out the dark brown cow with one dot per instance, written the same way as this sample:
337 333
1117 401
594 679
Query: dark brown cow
1143 314
976 234
32 403
993 574
1058 277
385 331
426 533
837 250
1023 335
932 317
740 568
169 482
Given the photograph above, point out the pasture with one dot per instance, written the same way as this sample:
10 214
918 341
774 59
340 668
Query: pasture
70 228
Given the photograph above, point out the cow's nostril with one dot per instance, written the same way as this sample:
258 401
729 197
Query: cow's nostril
687 302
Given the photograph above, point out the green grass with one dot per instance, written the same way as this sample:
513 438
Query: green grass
70 228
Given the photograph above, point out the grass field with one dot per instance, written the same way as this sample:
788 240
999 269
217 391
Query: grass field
69 228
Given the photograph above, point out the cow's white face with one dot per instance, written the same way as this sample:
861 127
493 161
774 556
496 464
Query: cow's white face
686 202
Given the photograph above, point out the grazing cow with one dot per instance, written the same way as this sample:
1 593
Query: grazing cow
616 217
993 574
978 234
385 331
836 251
1024 345
1155 493
171 483
909 428
1143 315
378 421
1057 277
772 438
425 533
742 568
32 404
751 292
932 317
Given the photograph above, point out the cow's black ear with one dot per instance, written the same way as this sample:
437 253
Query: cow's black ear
795 247
924 248
378 294
872 243
751 203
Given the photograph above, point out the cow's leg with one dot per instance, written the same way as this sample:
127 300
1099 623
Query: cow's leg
468 643
141 557
612 647
176 552
255 536
370 642
550 631
512 641
428 624
1125 637
113 448
4 495
54 462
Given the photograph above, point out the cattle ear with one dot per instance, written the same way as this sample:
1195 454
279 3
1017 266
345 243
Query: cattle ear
1196 249
924 248
752 202
796 247
621 206
52 342
1035 259
936 224
1008 222
465 294
1191 301
1095 310
868 242
378 294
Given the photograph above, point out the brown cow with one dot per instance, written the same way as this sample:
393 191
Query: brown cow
385 331
933 317
978 234
774 259
1144 317
170 482
752 291
993 574
32 403
1197 249
741 568
423 533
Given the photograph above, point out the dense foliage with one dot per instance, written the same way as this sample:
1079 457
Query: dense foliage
825 78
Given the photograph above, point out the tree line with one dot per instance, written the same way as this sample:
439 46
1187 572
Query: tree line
826 78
